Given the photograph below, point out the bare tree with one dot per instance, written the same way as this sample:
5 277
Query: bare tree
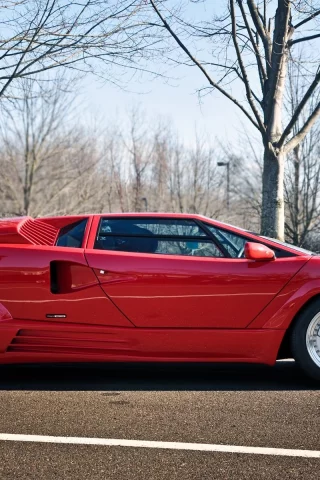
176 178
42 154
203 180
42 35
302 179
301 187
51 164
246 167
251 44
139 146
302 191
160 169
113 173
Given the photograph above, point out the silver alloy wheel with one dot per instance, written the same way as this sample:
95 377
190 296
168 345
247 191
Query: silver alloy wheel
313 339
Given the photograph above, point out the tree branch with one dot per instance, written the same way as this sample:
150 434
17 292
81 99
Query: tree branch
201 68
303 39
311 17
303 131
256 20
57 31
243 70
278 57
254 45
261 30
45 15
299 109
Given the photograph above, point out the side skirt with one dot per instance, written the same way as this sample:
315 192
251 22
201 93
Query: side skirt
33 341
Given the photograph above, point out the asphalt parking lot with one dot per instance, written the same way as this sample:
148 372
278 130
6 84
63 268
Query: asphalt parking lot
248 406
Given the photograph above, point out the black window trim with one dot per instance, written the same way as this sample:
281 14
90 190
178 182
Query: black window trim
207 238
160 237
111 234
214 238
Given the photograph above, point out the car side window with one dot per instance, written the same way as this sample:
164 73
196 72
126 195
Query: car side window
155 235
72 235
233 243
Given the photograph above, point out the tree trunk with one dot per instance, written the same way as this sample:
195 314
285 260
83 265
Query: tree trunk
296 197
272 215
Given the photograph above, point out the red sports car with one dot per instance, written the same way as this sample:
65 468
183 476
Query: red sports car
154 287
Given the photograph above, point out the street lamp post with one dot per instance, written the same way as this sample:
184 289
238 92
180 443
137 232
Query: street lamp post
226 164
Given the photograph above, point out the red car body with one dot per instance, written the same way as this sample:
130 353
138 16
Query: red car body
67 304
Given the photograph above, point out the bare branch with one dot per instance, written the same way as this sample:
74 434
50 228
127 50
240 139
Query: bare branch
254 44
41 35
256 20
311 17
278 59
298 138
243 70
200 66
299 109
262 32
303 39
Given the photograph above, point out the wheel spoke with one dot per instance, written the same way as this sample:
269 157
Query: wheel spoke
313 339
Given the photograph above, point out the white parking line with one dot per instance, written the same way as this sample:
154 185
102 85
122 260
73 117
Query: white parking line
197 447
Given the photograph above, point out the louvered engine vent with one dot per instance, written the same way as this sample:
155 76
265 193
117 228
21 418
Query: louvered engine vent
38 232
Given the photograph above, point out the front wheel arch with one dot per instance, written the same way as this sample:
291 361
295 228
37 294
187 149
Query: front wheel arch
285 349
303 338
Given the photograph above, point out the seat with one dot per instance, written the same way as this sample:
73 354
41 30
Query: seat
144 242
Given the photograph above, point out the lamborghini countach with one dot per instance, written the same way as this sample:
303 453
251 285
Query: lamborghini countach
157 288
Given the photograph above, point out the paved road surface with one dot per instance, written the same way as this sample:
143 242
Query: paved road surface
243 405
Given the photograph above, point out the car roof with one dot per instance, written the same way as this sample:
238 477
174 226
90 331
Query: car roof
152 214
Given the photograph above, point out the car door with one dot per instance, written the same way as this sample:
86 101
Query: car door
54 284
172 273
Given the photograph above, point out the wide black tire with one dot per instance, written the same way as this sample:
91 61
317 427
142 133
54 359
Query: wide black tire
299 341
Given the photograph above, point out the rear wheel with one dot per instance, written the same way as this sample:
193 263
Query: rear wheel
305 340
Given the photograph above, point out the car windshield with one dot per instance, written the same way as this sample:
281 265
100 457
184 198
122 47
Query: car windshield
290 245
299 249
